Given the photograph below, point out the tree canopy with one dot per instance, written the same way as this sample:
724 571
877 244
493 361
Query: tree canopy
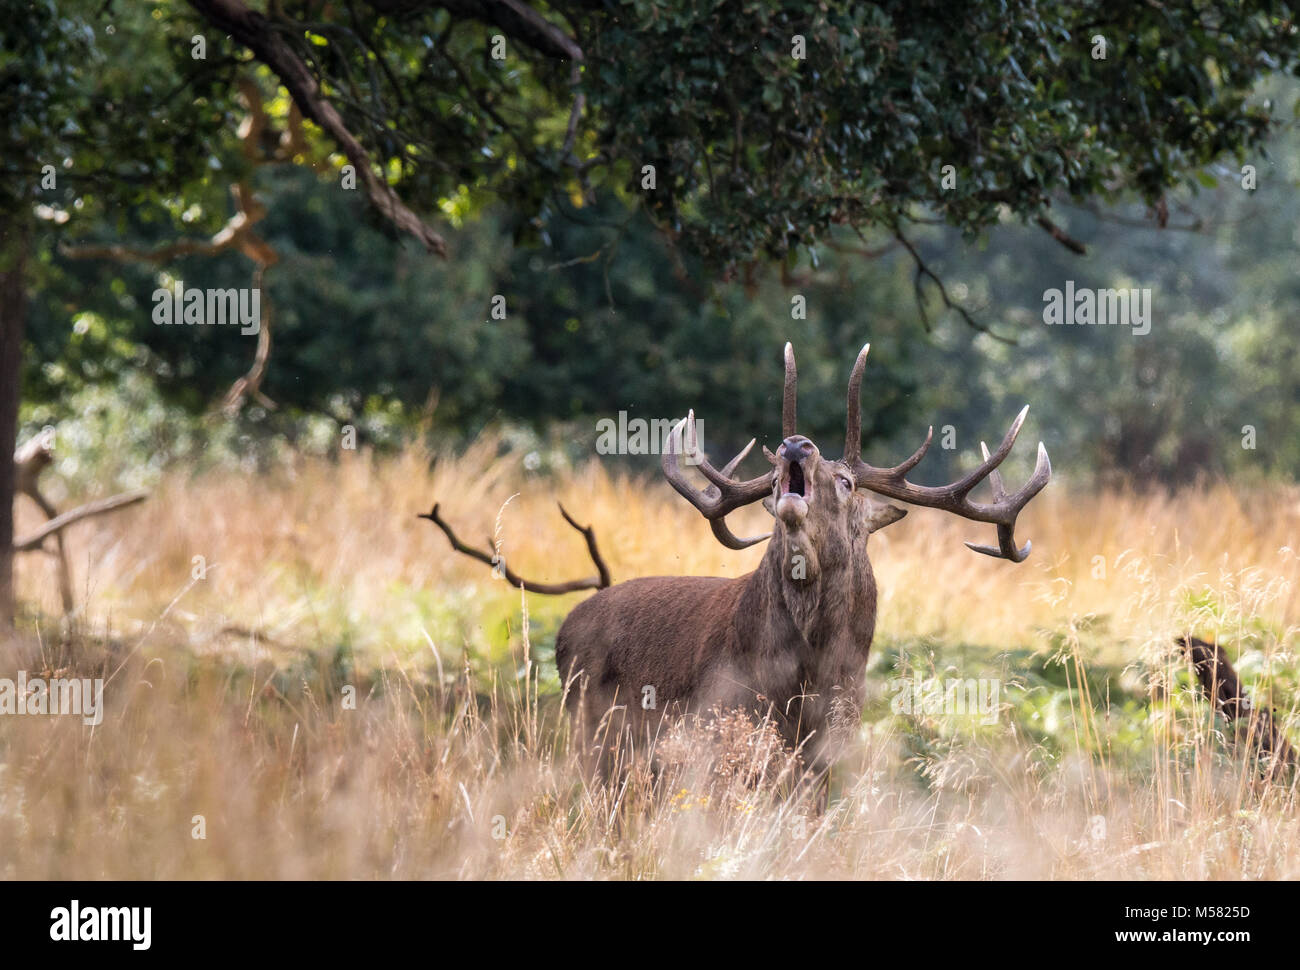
609 168
767 124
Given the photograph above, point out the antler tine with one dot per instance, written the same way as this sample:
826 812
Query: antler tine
905 466
1006 547
892 482
730 466
723 534
724 494
995 476
853 425
992 461
788 397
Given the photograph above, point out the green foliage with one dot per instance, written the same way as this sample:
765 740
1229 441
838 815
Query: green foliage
599 319
768 123
758 151
1168 406
113 101
610 289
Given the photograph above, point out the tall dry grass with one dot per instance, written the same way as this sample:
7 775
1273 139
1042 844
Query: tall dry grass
226 697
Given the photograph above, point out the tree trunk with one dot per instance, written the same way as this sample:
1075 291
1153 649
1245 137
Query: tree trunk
13 322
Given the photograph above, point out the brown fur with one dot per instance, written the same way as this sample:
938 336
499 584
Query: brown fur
789 640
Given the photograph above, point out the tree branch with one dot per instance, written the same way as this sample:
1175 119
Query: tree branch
923 272
253 30
56 525
1061 236
251 383
512 17
554 589
237 234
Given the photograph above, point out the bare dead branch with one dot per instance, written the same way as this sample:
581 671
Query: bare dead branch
90 509
600 581
29 461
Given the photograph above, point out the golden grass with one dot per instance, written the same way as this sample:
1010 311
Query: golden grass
225 699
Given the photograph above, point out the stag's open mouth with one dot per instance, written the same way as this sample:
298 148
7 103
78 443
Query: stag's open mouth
795 492
793 480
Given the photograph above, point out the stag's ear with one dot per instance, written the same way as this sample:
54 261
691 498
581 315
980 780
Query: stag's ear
880 515
770 504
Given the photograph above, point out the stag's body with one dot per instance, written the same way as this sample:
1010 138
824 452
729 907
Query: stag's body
791 651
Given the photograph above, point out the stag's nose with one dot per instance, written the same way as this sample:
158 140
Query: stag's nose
796 448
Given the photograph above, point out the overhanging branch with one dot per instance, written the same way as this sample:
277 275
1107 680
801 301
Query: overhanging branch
1061 236
513 18
236 234
924 272
253 30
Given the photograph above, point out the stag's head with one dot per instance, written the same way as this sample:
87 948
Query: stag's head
823 508
821 515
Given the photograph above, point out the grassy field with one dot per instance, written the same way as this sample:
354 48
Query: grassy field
230 682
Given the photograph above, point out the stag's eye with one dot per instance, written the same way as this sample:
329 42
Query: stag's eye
843 483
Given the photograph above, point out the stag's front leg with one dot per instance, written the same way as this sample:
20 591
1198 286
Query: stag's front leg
830 717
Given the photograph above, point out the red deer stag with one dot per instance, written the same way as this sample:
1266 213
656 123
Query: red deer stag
789 640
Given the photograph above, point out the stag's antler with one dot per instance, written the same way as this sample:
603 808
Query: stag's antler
951 498
554 589
724 494
788 396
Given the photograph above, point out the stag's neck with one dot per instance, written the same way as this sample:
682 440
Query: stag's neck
788 603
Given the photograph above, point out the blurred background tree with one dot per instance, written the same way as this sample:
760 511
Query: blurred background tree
649 186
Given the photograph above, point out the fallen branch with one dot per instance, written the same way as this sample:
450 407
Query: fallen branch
29 461
90 509
498 562
1222 687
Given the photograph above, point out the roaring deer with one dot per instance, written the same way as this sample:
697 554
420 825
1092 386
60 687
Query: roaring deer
790 639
